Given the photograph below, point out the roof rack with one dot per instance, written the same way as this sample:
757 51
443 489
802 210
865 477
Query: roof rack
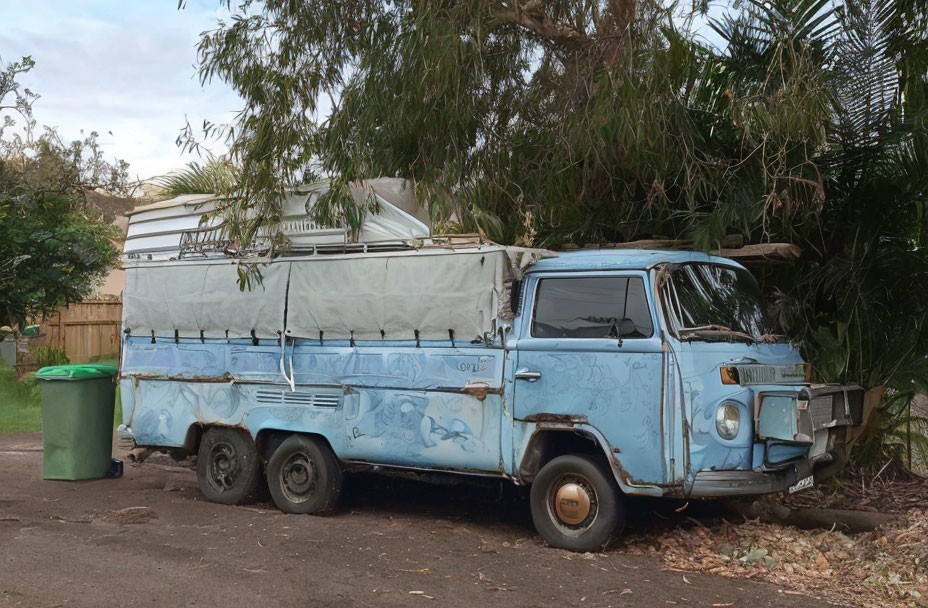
203 241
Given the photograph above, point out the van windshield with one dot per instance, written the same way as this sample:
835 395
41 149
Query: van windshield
710 301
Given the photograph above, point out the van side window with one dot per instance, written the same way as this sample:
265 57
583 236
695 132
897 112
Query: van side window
592 307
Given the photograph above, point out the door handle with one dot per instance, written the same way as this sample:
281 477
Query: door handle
526 374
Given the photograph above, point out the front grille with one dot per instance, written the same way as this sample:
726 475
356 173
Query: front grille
822 410
757 374
754 373
843 404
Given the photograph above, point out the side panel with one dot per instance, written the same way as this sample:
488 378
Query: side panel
421 407
159 412
425 430
432 406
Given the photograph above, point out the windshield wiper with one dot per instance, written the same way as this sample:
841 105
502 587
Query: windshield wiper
717 329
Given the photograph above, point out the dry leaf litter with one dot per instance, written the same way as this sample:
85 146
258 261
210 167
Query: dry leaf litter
887 567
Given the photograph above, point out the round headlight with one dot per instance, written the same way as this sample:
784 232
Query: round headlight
727 420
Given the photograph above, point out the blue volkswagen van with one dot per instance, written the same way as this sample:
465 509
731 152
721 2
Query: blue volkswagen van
591 375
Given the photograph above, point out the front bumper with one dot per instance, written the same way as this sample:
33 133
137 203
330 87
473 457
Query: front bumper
838 416
719 484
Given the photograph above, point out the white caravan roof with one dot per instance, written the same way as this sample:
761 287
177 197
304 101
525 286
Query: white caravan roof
157 231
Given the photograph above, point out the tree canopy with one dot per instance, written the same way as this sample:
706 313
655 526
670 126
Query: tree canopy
590 121
54 248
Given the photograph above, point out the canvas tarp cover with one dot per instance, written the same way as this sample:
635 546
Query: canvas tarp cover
432 292
191 298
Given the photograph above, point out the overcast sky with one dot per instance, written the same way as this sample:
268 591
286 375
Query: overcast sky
120 66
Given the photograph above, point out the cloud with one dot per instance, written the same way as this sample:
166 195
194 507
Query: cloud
120 67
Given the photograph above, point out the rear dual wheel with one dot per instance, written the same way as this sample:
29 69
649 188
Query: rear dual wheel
227 466
304 476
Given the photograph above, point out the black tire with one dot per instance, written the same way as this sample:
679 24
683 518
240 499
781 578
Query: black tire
228 466
587 523
304 476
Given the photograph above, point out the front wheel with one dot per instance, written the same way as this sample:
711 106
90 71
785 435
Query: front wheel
304 476
576 504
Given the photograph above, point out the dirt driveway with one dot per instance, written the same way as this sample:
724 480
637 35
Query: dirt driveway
148 539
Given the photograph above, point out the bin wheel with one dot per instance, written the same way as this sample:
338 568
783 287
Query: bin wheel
576 504
227 466
304 476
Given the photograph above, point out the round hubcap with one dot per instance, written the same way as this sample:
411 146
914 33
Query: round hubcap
572 503
298 478
223 466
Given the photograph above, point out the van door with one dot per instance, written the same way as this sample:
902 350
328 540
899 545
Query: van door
588 350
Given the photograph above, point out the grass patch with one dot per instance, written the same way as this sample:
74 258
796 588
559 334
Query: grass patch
20 410
20 403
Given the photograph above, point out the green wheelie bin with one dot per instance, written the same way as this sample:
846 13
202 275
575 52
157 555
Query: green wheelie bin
77 420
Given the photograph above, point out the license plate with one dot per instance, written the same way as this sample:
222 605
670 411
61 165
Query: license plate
803 484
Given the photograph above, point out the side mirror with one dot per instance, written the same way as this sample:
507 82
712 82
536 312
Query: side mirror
627 327
624 327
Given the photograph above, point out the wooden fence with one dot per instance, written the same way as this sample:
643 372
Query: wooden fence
86 331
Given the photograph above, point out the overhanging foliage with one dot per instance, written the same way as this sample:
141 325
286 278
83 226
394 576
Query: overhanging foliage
586 121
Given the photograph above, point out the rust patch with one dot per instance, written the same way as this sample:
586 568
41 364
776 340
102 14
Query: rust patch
205 424
480 391
561 418
633 484
145 376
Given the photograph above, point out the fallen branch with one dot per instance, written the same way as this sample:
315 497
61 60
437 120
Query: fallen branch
807 518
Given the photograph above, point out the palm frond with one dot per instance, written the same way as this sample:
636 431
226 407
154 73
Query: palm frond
213 177
869 91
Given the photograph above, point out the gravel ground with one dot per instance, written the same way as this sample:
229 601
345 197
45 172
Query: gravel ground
149 539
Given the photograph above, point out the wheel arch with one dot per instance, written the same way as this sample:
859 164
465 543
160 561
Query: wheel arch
195 432
269 439
193 437
550 441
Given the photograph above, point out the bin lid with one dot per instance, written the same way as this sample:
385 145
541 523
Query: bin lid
83 371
